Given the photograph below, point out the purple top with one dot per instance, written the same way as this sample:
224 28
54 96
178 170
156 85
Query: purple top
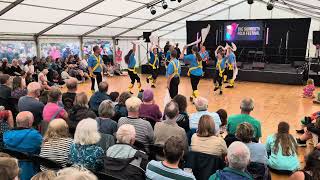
150 111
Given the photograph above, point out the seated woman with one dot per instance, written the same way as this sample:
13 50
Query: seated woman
43 80
6 123
52 110
309 130
258 152
56 142
205 141
84 151
183 118
224 120
15 68
311 169
282 150
122 160
148 108
18 90
79 111
121 109
105 123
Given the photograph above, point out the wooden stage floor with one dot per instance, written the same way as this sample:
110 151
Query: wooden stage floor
273 102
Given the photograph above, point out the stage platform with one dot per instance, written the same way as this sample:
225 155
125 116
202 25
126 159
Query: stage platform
272 73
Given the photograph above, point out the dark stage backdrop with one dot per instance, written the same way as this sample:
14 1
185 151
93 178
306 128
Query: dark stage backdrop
277 50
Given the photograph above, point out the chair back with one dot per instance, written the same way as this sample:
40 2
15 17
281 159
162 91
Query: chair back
43 127
203 165
151 121
18 155
106 141
102 175
47 163
139 146
156 152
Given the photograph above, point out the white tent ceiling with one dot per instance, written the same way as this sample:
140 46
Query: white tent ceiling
130 18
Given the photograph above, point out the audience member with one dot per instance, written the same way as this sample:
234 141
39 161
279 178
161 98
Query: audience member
258 152
224 119
56 142
311 129
148 108
79 111
31 102
45 175
144 131
114 96
6 123
311 169
9 167
15 68
17 88
238 158
282 150
202 109
99 96
121 109
69 96
24 139
5 90
169 168
29 67
168 128
206 141
122 160
74 173
183 117
105 124
43 80
246 107
84 150
52 110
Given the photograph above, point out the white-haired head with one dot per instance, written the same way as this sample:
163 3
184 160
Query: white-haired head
126 134
87 132
201 104
133 104
246 105
238 156
75 173
34 89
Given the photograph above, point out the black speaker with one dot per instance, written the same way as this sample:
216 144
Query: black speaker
316 37
146 36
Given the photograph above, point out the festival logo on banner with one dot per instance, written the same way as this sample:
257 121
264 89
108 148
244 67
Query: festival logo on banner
231 32
243 31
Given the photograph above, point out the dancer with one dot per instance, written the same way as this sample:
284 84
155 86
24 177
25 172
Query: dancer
95 67
173 74
220 67
131 61
195 70
205 57
154 66
231 65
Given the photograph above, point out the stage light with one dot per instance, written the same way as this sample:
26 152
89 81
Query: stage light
250 1
179 1
270 4
153 10
164 5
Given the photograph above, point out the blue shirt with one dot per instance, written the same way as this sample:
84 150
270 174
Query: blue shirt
153 58
195 118
132 61
168 55
192 59
231 58
204 55
222 64
92 61
170 68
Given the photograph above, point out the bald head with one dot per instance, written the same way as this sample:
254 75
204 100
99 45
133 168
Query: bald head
24 119
72 84
34 89
103 86
246 105
201 104
171 110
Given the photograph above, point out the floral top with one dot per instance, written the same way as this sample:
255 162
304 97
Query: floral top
89 156
308 90
17 93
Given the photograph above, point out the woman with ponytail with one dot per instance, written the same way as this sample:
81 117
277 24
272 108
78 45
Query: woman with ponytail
282 151
131 62
195 70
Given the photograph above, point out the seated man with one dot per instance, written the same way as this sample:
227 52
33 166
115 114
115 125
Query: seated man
202 108
143 128
238 158
5 91
99 96
122 160
246 107
24 139
169 168
69 97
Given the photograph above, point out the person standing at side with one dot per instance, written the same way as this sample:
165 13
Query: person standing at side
95 67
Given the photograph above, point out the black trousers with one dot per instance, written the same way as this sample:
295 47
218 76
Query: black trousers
204 68
174 87
93 80
229 74
217 78
134 77
154 72
195 81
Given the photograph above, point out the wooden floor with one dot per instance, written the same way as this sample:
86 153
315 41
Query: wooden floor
273 103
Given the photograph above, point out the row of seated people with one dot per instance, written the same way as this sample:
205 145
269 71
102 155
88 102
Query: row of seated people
281 147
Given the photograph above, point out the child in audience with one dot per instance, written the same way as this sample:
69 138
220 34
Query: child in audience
309 89
310 129
114 97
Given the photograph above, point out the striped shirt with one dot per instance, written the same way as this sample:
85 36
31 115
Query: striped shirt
157 171
56 149
144 131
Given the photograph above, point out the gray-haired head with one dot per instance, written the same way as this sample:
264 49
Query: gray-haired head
171 110
238 156
106 109
246 105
